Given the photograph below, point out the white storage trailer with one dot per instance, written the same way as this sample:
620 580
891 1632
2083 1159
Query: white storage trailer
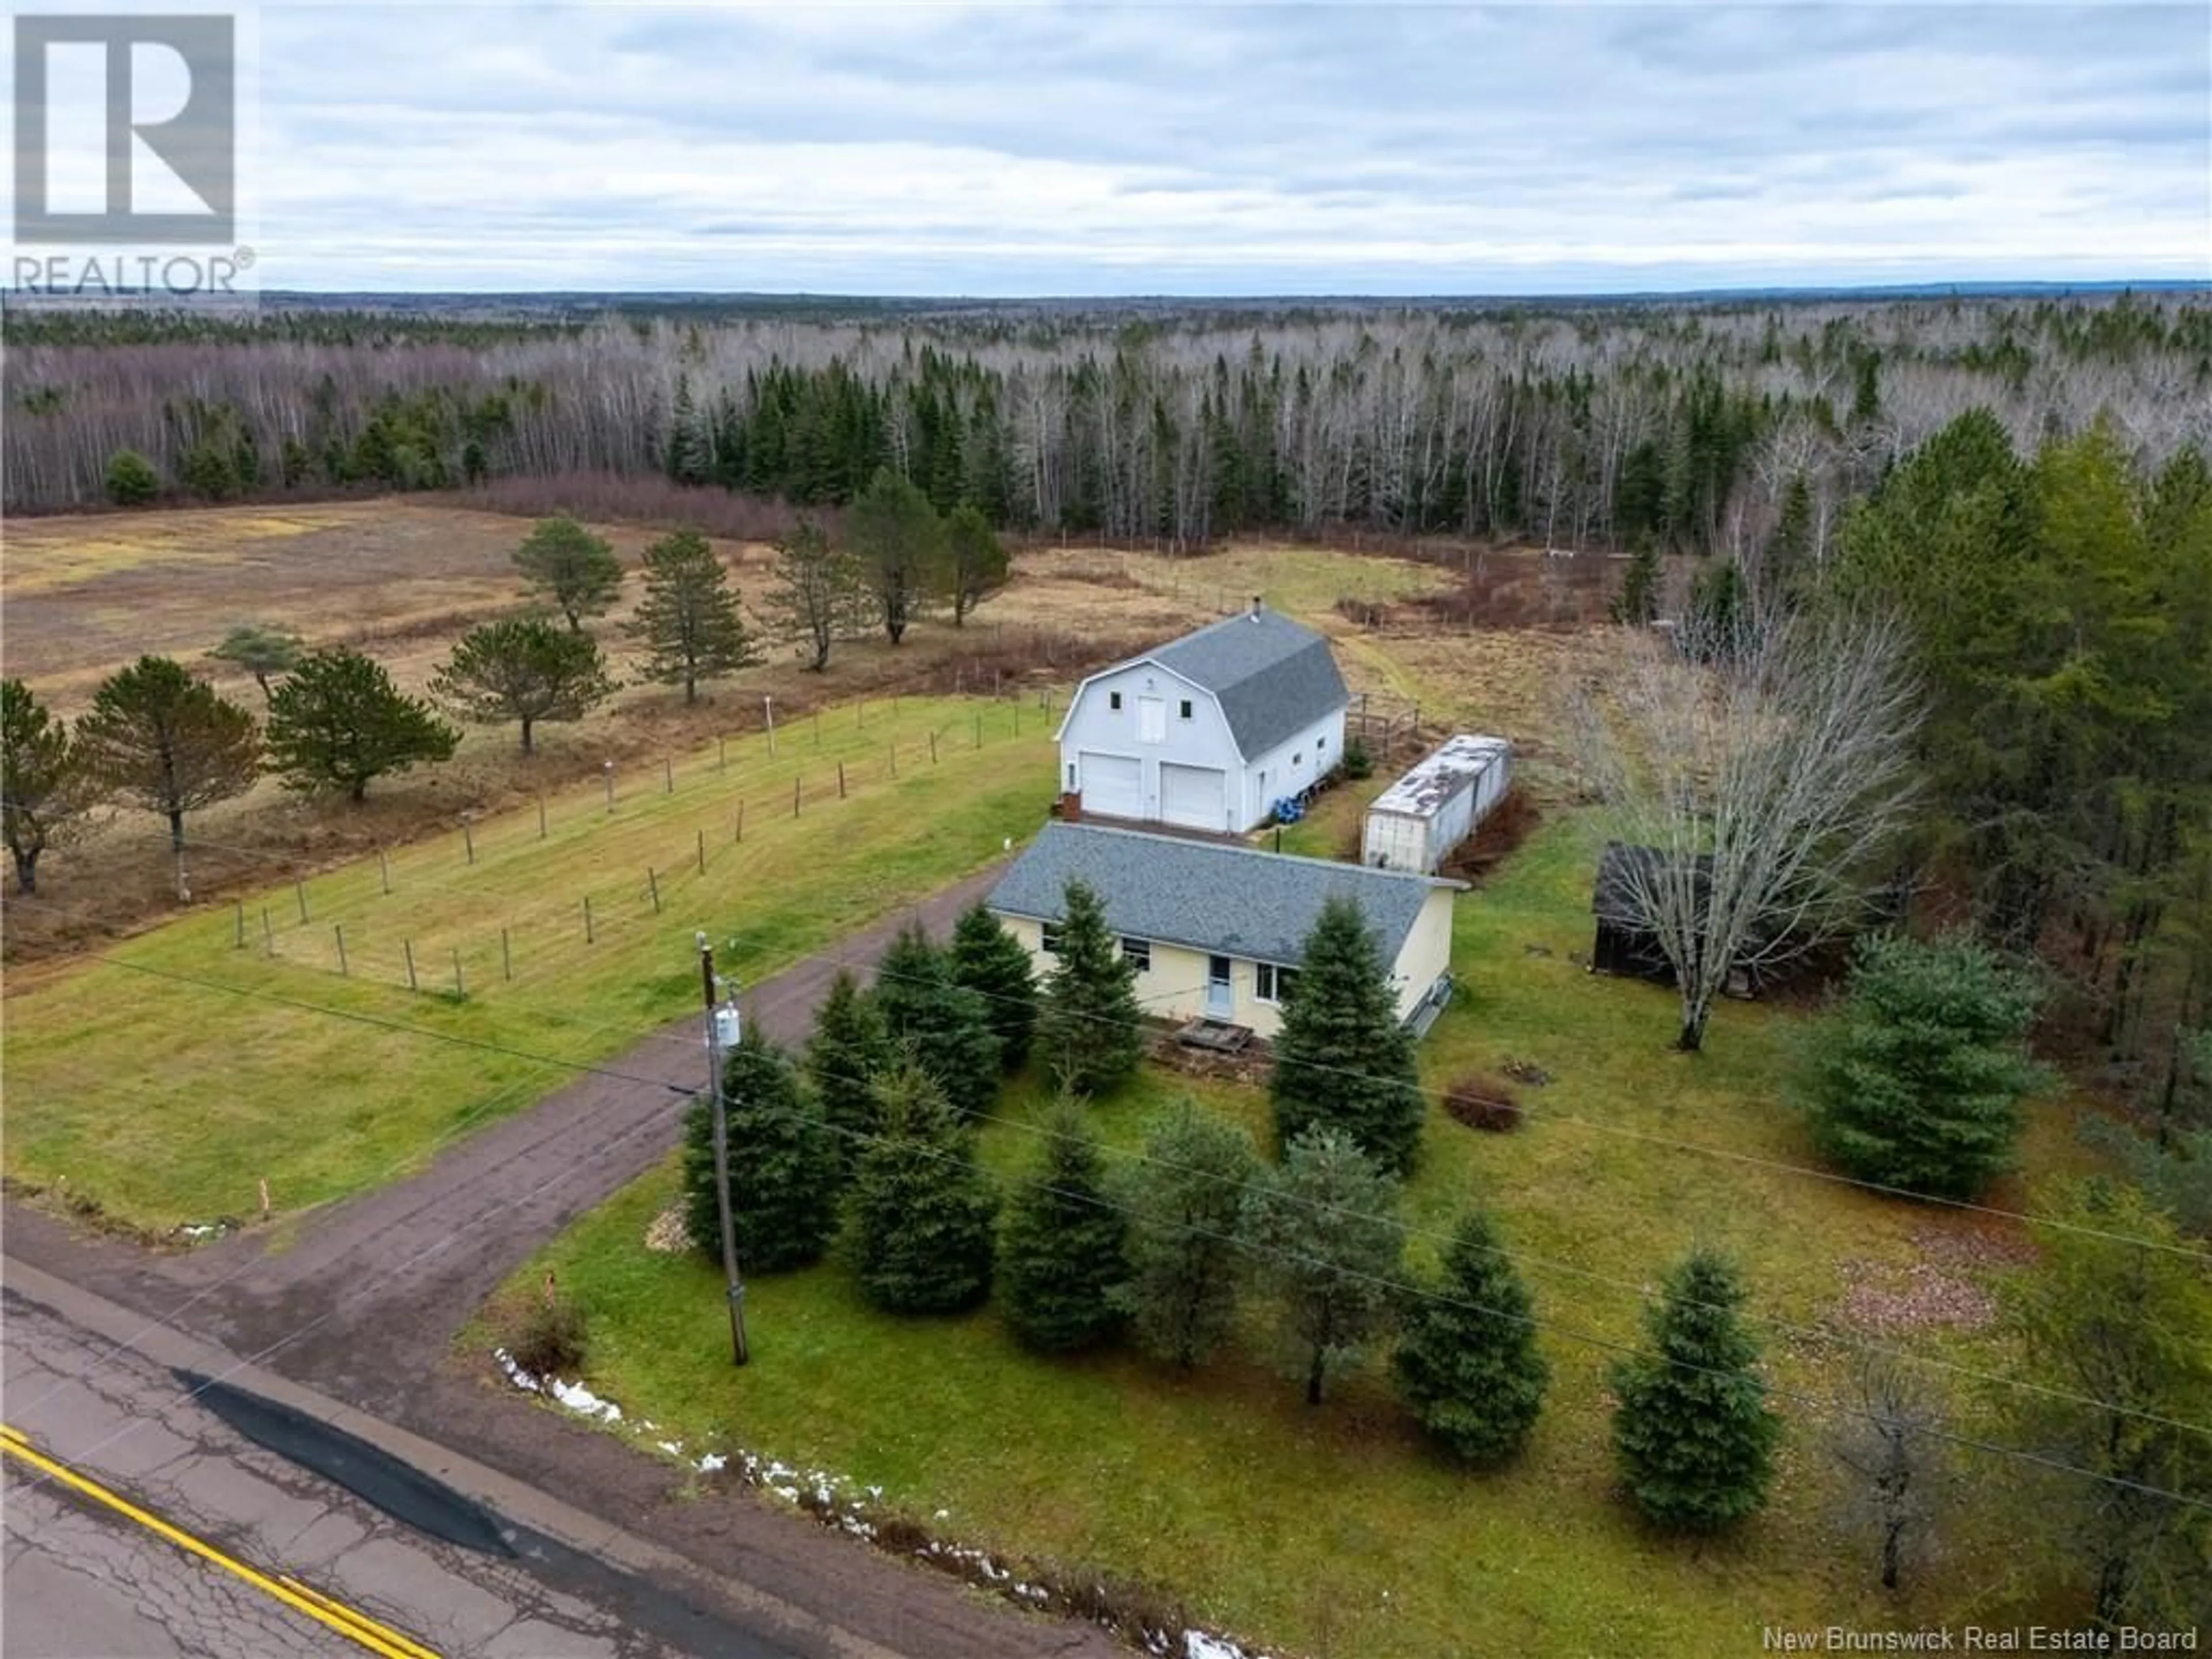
1417 820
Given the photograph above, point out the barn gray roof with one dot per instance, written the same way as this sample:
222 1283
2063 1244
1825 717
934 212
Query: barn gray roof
1272 677
1208 896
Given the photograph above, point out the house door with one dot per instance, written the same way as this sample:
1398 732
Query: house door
1219 1004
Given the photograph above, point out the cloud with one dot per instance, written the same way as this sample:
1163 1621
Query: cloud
1013 150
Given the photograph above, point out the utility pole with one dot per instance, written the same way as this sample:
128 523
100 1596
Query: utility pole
737 1285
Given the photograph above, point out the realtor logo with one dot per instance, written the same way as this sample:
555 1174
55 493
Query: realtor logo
126 130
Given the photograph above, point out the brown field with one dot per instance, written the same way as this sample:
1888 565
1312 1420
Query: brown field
79 597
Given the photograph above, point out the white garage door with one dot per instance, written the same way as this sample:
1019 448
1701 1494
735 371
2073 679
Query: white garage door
1113 785
1194 796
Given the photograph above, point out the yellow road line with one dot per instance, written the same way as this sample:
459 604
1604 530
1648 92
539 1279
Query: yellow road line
356 1626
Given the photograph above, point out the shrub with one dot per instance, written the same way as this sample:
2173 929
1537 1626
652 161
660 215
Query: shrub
1483 1101
552 1339
1358 762
132 480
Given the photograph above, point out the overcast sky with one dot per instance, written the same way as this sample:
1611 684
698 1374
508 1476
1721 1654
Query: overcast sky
1014 149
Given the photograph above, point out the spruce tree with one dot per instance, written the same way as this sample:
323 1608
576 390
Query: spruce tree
783 1168
922 1209
1636 605
1062 1256
1184 1198
1466 1360
1693 1434
1324 1227
848 1051
689 620
1089 1024
944 1026
1916 1081
1342 1059
995 965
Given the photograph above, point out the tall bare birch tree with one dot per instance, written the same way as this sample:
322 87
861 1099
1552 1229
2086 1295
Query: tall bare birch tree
1767 780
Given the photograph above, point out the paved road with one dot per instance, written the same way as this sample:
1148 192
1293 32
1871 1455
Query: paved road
83 1578
363 1303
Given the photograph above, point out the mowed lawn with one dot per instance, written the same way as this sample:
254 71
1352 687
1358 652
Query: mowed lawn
165 1081
1334 1531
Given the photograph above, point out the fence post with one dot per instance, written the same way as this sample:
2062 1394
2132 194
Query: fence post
588 918
818 728
268 933
300 891
384 869
741 822
338 928
979 730
469 838
460 985
721 754
702 852
541 818
840 780
506 956
654 882
1018 717
794 797
895 760
408 945
239 906
932 749
667 775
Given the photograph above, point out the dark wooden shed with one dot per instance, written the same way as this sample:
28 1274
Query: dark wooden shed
1627 943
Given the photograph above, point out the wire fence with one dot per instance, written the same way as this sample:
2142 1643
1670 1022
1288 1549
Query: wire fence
508 902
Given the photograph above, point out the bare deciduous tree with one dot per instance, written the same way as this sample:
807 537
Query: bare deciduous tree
1766 767
1889 1439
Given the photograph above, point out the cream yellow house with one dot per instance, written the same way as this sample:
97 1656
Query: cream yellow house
1216 931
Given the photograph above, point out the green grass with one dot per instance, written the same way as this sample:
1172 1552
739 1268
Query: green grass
166 1099
1290 1525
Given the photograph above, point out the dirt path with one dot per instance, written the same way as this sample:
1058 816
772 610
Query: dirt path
364 1303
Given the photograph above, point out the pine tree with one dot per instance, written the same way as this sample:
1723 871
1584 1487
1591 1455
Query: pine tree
943 1026
896 534
1693 1433
338 721
523 669
44 786
1184 1198
817 591
1090 1027
1343 1061
995 965
1466 1360
972 562
261 651
784 1172
1916 1081
1062 1254
167 742
570 565
848 1051
689 620
1325 1229
922 1209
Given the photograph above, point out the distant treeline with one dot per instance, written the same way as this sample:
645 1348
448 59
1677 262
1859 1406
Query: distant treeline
1687 426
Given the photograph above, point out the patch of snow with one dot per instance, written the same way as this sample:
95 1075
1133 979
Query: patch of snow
712 1462
671 1448
1197 1644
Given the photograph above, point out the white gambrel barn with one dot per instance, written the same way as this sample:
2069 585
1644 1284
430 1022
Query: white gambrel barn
1210 731
1416 821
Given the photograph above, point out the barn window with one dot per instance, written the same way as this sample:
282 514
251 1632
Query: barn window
1114 700
1299 759
1271 983
1138 953
1186 707
1048 938
1320 745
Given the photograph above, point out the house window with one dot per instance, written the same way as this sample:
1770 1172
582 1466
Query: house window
1138 953
1048 938
1186 707
1114 700
1070 780
1271 983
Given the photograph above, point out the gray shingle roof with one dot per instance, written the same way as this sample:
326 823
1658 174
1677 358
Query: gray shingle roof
1206 894
1273 677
